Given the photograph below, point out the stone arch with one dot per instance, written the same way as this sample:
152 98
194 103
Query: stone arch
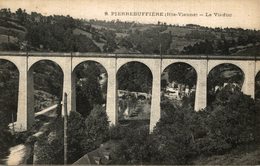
7 75
55 94
32 66
193 63
104 81
134 61
12 62
105 62
214 83
59 61
227 63
130 106
215 63
194 66
86 61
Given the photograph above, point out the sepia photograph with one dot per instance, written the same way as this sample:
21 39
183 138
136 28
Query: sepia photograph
129 82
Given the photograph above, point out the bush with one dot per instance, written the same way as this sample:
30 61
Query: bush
49 152
174 135
76 134
135 146
9 47
96 129
232 118
84 135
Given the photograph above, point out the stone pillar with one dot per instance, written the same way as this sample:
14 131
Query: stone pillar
111 105
25 108
30 98
73 91
248 87
67 85
156 94
201 87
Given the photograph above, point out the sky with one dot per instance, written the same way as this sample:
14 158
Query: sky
238 13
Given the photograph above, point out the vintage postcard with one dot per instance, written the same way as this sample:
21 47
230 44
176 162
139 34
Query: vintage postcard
130 82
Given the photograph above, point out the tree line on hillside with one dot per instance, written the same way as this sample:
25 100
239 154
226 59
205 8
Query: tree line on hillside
56 33
51 33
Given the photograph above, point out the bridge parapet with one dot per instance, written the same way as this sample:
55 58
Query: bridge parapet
127 55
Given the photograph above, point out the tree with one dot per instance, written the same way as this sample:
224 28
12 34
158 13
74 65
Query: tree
21 15
135 76
232 118
97 129
182 73
6 138
49 146
88 87
173 135
135 147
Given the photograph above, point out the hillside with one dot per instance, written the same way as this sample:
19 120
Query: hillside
244 155
35 32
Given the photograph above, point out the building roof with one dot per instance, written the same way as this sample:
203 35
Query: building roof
94 157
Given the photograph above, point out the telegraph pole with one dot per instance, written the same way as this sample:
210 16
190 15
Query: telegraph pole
13 131
65 128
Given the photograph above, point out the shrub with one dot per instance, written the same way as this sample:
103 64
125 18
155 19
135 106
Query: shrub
232 118
96 129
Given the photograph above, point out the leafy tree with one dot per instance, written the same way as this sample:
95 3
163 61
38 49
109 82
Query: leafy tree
202 47
49 146
182 73
96 129
88 87
173 135
9 47
84 135
6 138
135 76
76 129
21 15
232 118
152 40
8 90
48 77
135 147
125 43
5 12
111 45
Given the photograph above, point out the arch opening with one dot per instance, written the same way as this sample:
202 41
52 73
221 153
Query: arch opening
9 85
45 86
223 75
134 93
178 84
90 79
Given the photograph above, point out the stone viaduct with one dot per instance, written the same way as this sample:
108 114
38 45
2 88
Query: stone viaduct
25 61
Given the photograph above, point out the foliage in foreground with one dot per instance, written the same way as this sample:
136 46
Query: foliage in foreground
81 139
183 134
